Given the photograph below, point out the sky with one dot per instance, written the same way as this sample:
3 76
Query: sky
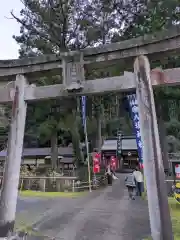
9 27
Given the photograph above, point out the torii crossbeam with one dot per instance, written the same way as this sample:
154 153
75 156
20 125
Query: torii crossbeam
154 46
71 66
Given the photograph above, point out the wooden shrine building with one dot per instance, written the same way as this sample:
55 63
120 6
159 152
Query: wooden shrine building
129 155
41 157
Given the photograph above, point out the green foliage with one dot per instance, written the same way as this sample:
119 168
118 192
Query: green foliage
156 17
52 27
56 26
25 172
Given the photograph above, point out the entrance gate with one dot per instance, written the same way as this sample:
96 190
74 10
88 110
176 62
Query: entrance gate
73 65
129 162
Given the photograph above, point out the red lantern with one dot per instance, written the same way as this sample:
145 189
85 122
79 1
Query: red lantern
95 161
96 165
141 166
113 162
96 168
97 155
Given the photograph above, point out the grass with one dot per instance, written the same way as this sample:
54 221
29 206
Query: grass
29 193
175 216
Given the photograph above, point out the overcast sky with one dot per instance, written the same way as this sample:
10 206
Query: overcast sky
8 27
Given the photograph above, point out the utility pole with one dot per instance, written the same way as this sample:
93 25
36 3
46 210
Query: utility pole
160 220
10 184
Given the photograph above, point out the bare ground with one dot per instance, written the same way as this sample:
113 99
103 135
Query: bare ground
105 214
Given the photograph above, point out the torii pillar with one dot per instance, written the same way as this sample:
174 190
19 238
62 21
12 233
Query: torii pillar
160 220
10 184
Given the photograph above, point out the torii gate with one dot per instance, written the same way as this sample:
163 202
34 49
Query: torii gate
72 66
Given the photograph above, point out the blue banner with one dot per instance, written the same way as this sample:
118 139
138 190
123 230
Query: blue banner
83 102
134 111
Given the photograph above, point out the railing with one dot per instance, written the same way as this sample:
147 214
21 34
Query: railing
174 156
95 183
46 184
57 184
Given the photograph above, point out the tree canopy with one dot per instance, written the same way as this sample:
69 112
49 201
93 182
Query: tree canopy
54 26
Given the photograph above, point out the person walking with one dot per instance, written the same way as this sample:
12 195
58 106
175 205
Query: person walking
109 174
131 185
139 181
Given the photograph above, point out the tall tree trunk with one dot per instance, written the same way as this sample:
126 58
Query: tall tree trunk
76 147
76 140
99 131
54 150
162 136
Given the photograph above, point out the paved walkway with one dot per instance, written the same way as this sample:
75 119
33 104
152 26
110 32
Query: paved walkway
102 215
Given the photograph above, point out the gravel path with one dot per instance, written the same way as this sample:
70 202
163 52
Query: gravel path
102 215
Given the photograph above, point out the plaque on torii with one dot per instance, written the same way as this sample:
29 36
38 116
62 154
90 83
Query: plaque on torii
73 71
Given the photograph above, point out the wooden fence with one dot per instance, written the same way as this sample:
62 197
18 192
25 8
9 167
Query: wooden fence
46 184
57 184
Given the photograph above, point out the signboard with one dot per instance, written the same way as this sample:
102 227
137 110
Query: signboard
177 170
119 142
134 111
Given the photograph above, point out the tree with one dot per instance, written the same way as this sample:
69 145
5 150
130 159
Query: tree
107 19
48 27
159 16
56 26
154 17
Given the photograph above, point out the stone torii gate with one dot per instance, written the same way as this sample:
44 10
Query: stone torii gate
72 66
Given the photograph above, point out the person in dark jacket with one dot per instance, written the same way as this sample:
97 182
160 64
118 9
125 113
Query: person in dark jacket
109 175
131 185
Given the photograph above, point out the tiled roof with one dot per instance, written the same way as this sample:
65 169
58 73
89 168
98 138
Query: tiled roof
27 152
127 144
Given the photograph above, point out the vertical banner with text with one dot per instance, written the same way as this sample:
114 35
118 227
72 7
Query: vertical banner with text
134 111
83 103
119 143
